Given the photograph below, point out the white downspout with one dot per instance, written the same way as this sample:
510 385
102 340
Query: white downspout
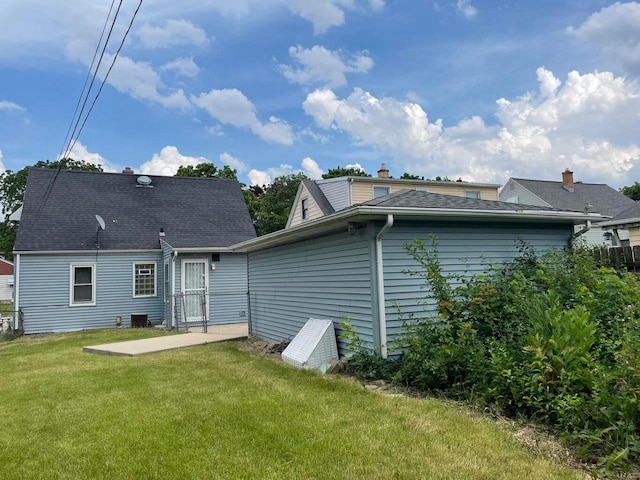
16 291
173 287
382 315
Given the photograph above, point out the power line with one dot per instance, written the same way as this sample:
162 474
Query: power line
67 150
86 80
115 57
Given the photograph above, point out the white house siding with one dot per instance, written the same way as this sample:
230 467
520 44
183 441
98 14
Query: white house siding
337 192
327 277
45 283
6 288
515 193
463 249
228 302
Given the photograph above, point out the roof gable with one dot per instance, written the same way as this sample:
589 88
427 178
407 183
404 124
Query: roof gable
60 208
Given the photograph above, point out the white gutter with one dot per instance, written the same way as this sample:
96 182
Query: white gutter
16 291
382 314
326 222
174 255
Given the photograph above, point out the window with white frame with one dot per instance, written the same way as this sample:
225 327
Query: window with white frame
305 209
144 279
472 194
82 284
381 191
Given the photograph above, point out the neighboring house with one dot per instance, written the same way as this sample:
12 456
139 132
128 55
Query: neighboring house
352 264
626 220
570 195
93 248
315 199
6 280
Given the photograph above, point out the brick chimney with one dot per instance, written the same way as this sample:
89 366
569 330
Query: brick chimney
567 180
128 170
383 172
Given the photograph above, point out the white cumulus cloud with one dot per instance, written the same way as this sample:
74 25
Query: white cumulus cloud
264 177
616 31
311 168
2 169
7 106
80 152
233 162
168 161
317 65
183 67
232 107
171 34
587 123
465 8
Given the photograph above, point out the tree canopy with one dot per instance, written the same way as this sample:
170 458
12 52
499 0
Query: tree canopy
269 205
12 186
410 176
632 191
207 170
345 172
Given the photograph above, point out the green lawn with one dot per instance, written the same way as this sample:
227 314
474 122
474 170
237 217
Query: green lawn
217 412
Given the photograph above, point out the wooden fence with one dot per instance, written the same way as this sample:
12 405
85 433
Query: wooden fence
620 257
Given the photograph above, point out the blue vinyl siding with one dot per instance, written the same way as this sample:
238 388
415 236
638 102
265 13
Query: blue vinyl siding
228 302
44 291
325 277
463 249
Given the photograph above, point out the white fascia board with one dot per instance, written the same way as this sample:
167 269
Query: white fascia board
620 223
363 213
203 250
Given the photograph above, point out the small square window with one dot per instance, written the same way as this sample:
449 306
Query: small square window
144 279
380 191
472 194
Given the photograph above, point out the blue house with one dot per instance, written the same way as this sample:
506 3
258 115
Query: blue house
352 263
97 249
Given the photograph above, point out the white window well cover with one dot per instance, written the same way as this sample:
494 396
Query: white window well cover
313 346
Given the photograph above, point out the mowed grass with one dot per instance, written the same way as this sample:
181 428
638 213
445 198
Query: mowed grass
217 412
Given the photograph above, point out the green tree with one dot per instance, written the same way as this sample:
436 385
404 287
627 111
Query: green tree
410 176
207 170
12 186
632 191
344 172
269 205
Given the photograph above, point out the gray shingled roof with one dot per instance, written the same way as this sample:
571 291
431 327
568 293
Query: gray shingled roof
318 196
602 198
420 199
628 213
194 212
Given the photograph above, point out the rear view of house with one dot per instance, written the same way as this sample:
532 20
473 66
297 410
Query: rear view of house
97 249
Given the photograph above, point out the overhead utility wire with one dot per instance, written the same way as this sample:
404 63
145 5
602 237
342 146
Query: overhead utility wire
86 80
115 57
68 148
135 13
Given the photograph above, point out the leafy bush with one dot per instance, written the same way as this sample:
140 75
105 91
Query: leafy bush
552 337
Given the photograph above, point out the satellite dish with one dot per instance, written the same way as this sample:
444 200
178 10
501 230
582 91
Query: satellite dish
100 222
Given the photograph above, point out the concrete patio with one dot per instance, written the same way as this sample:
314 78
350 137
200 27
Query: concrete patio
133 348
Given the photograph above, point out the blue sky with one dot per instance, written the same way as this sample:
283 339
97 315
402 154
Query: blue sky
482 90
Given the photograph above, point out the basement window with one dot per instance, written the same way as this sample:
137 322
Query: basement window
82 284
144 279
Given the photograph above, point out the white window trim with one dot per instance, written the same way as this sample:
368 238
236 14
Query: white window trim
155 280
373 190
72 267
479 197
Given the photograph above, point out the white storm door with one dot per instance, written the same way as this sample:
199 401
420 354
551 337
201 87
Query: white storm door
195 285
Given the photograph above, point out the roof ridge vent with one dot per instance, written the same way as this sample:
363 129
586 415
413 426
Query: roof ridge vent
143 181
